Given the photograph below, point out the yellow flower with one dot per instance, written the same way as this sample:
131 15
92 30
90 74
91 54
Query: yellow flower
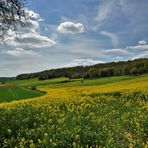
131 145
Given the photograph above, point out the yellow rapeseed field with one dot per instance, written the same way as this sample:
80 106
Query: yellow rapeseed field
110 115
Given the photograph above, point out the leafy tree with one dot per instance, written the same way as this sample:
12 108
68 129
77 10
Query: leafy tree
86 75
118 71
75 75
12 14
43 76
126 70
135 67
134 71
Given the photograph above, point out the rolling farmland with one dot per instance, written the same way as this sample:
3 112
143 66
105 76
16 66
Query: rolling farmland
79 114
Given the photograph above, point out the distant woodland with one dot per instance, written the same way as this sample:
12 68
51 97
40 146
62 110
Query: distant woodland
131 67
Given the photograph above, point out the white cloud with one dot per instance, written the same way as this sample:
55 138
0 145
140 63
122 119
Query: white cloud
116 51
113 37
29 37
144 55
137 48
83 62
70 28
20 52
33 40
142 42
33 19
32 15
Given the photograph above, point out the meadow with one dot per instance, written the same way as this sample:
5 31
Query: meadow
106 112
9 93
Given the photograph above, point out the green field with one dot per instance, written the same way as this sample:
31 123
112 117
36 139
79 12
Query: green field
66 82
21 91
35 82
17 93
21 87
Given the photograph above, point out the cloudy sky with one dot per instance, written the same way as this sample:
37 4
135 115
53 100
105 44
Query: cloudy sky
76 32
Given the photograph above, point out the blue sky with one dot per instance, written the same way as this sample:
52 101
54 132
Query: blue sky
76 32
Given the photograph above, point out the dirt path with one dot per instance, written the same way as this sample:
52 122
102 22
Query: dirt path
7 86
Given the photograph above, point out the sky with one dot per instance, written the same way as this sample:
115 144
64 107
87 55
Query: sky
67 33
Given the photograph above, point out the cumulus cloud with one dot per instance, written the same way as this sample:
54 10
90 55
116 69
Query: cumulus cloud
33 15
30 37
83 62
113 37
142 42
20 52
33 20
70 28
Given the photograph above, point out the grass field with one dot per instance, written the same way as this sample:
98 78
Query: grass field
17 89
8 94
107 112
35 82
70 82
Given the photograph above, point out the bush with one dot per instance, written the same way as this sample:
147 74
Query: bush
3 82
33 88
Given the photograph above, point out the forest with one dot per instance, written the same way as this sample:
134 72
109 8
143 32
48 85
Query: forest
131 67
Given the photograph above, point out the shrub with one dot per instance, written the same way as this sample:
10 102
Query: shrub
33 88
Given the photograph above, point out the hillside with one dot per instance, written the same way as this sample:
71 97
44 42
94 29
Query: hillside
132 67
102 112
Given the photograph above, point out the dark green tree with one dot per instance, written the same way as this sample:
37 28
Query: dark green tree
134 71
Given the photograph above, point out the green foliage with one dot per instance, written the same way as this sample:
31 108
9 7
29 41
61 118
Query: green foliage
134 71
135 67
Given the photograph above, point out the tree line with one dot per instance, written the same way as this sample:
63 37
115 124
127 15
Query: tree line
131 67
